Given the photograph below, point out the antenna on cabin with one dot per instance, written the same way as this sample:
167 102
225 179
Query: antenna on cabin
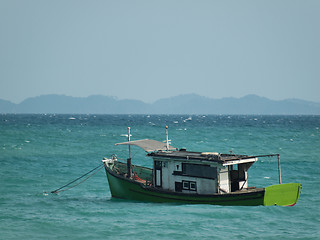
167 139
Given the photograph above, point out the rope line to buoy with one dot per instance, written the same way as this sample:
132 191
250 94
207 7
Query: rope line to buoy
59 189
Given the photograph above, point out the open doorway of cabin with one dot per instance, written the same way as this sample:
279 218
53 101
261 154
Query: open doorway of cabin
158 173
237 175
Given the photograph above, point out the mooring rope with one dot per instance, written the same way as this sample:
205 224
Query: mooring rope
61 189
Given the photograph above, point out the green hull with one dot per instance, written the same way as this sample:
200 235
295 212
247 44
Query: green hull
123 188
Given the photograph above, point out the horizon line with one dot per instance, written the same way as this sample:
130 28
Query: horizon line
178 95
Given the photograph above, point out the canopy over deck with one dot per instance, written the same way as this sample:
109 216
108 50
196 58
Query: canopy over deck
149 145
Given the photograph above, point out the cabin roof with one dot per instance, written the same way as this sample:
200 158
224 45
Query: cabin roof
224 159
158 149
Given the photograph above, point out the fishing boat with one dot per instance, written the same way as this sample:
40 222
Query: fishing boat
181 176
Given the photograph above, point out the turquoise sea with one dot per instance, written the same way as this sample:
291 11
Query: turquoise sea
40 153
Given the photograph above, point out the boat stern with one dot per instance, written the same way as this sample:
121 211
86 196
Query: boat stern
282 194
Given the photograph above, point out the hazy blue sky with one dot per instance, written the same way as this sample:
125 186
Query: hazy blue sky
148 50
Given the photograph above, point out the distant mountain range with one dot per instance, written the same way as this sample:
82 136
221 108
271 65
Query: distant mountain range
183 104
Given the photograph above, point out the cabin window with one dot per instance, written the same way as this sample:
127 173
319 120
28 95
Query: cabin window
189 185
193 186
158 164
196 170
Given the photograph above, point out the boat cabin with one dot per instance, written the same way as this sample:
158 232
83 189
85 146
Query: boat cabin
195 172
200 172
